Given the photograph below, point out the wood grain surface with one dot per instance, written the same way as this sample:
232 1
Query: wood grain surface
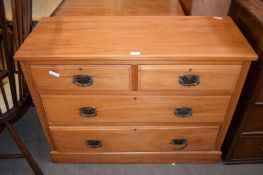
114 38
137 157
134 109
119 8
105 77
134 139
166 77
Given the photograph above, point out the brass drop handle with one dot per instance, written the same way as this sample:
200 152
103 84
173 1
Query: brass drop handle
94 143
189 80
82 80
88 111
183 112
180 142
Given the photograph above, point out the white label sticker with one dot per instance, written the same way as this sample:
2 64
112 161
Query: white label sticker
55 74
135 53
217 17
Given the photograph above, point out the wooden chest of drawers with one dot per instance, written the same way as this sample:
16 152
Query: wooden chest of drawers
135 89
244 141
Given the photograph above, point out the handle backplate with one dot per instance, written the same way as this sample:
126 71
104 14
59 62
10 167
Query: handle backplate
183 111
88 111
94 143
189 80
82 80
180 143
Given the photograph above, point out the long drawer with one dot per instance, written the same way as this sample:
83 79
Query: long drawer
134 139
151 109
249 147
188 77
81 77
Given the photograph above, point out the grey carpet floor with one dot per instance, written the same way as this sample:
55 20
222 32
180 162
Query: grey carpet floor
31 132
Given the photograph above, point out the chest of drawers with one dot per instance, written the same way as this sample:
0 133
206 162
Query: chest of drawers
244 141
135 89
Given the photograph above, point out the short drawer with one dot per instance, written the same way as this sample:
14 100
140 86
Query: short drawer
249 147
81 77
188 77
133 139
139 109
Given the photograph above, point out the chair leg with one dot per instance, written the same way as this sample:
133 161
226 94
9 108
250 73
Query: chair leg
11 156
23 149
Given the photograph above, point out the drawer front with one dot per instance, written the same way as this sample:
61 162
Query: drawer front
153 109
260 95
254 118
133 139
250 147
188 77
78 77
259 99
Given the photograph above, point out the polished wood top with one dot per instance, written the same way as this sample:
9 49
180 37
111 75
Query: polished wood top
41 8
119 7
156 38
